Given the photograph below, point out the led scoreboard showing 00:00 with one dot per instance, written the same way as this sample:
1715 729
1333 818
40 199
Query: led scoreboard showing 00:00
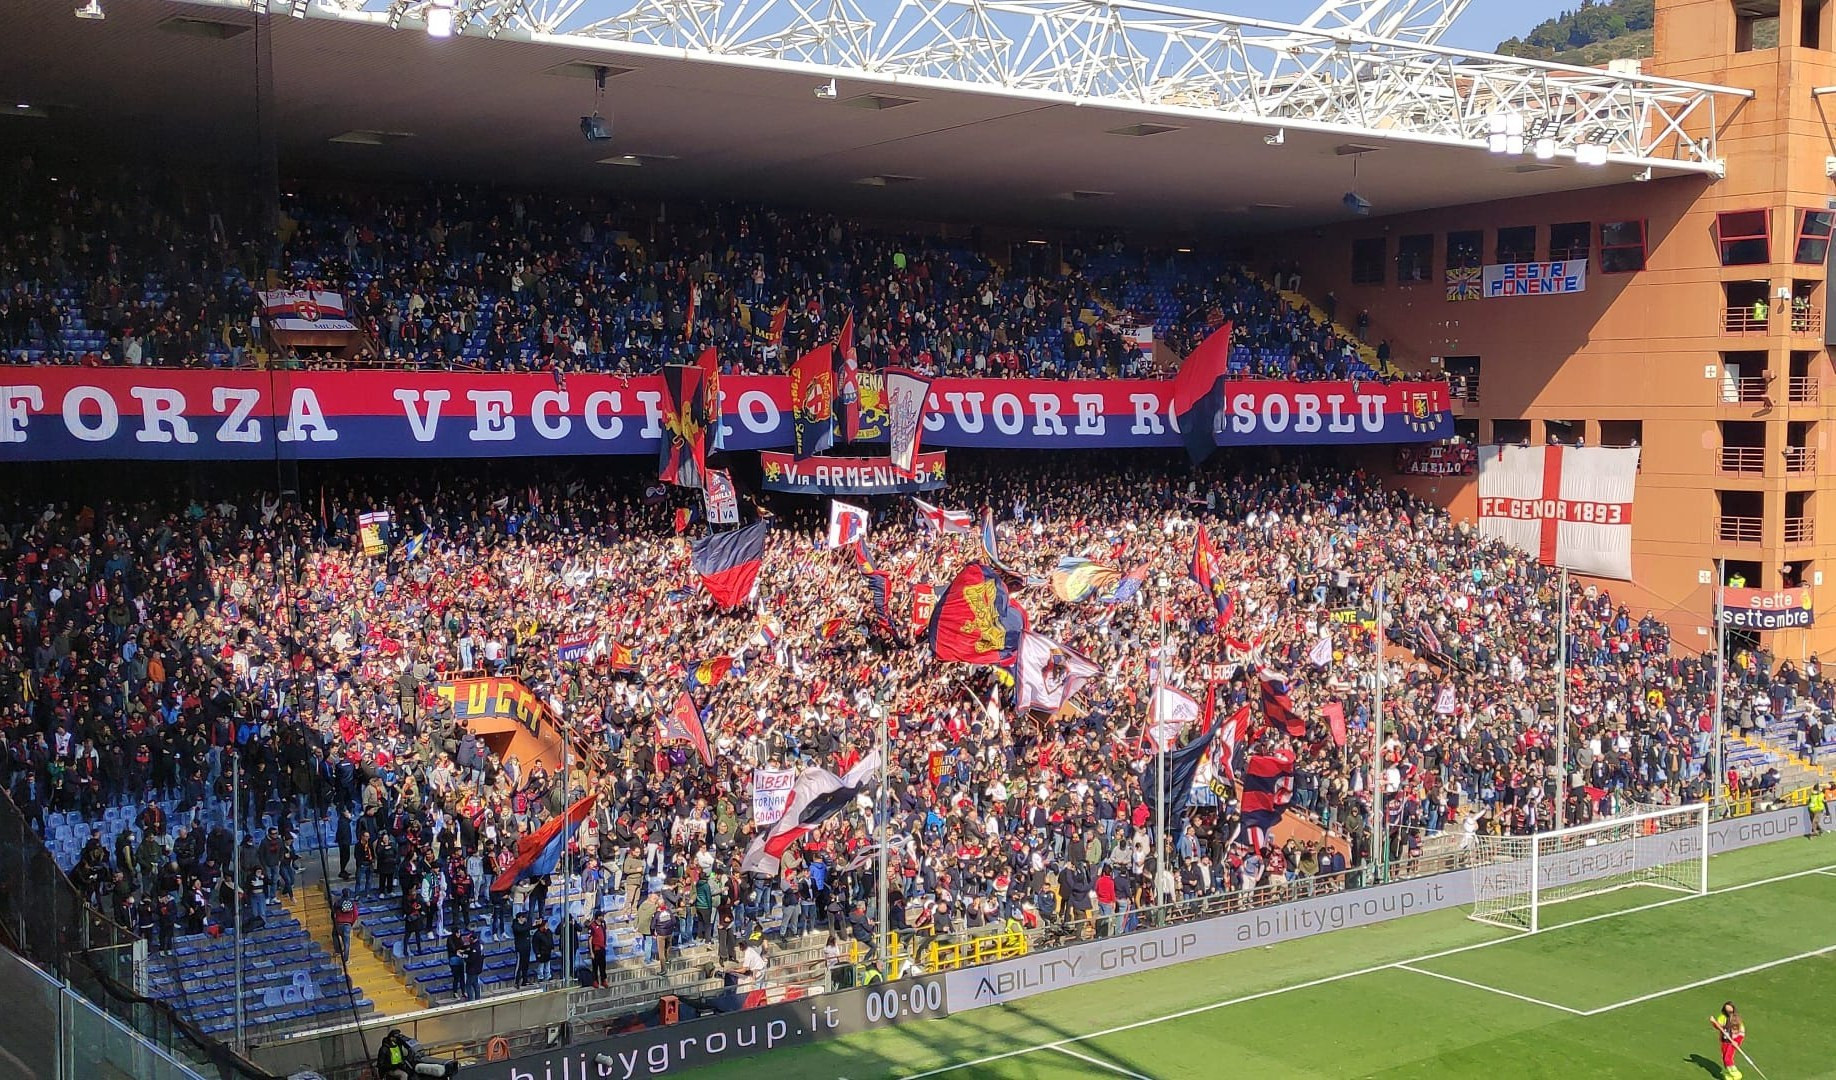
922 999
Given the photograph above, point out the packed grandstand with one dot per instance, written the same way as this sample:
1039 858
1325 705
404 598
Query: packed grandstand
219 691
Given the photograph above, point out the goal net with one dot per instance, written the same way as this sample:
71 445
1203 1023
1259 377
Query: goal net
1514 877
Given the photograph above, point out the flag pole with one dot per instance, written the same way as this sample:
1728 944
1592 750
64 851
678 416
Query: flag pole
1721 681
242 883
884 813
1380 841
567 875
1561 709
1160 747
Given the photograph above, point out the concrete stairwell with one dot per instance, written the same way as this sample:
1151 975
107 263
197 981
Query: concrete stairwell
1366 352
1795 770
371 972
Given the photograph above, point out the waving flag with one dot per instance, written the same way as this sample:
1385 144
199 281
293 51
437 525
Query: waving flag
945 521
709 363
719 499
1198 393
1050 673
848 382
683 453
847 524
1127 588
1078 579
816 796
812 399
879 586
905 396
539 853
1321 654
575 646
728 563
622 658
416 544
1182 768
682 724
708 673
974 622
1207 571
988 545
1278 707
1169 711
1232 739
1268 787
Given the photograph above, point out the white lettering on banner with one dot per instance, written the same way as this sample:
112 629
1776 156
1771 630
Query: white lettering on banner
108 417
1009 417
237 427
970 422
758 412
422 421
1045 415
1056 969
306 420
539 414
14 417
1590 513
494 422
1272 415
652 400
1147 416
602 419
1089 414
162 416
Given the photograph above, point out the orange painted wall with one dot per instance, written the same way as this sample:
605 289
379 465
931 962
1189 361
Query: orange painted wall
1648 346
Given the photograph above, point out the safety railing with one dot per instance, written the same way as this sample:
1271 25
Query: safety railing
1800 459
1807 320
1739 530
1800 530
1745 319
1804 390
1743 459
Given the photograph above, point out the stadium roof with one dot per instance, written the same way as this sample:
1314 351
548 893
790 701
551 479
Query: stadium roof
1034 111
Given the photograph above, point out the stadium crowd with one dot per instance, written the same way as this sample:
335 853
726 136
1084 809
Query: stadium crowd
149 643
121 274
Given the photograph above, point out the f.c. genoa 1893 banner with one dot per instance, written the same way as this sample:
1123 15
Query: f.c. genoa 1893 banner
1567 505
57 413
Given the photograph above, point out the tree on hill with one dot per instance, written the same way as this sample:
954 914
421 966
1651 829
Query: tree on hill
1590 24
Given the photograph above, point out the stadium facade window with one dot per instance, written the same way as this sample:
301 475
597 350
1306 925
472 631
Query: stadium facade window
1368 258
1517 244
1414 258
1622 247
1571 240
1813 236
1465 250
1744 236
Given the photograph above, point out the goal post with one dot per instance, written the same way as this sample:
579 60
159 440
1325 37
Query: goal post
1515 877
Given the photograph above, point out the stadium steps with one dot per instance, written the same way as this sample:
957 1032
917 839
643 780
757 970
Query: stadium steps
1795 770
377 979
1367 353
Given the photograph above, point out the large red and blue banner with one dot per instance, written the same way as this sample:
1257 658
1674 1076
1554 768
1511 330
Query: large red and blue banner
61 413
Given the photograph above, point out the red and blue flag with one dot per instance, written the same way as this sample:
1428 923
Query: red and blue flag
728 563
539 853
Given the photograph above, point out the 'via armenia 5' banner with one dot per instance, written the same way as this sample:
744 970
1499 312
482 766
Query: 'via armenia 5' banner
59 413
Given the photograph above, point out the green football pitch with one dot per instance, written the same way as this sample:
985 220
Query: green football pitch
1614 986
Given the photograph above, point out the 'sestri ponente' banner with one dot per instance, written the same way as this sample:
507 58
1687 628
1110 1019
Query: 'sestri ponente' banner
56 414
1535 278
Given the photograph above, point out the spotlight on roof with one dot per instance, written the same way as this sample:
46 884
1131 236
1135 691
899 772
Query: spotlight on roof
826 91
440 19
1545 148
1276 137
299 8
91 10
1357 204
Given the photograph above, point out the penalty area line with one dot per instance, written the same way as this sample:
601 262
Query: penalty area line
1711 980
1492 990
1101 1063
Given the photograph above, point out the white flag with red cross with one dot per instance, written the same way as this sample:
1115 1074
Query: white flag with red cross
1567 505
